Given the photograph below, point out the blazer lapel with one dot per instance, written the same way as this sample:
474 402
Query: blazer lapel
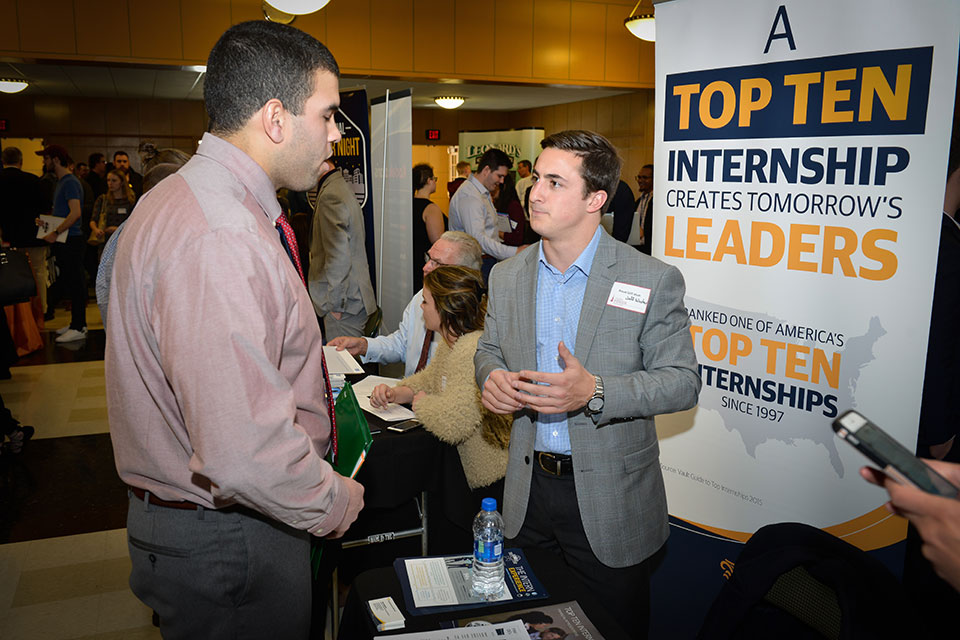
527 304
595 296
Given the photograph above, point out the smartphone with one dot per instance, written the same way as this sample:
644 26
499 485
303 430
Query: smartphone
892 457
406 425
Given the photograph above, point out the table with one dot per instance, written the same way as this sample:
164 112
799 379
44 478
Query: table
563 586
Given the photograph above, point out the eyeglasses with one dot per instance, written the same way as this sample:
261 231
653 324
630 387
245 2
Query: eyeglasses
427 259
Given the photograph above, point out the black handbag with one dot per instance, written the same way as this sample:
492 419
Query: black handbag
17 283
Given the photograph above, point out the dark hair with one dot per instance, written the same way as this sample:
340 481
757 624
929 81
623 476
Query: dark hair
257 61
600 163
150 157
648 166
508 193
94 159
12 156
460 298
120 153
532 617
525 163
494 158
421 174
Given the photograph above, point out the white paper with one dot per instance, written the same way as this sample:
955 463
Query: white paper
503 223
341 361
393 412
444 581
49 224
512 629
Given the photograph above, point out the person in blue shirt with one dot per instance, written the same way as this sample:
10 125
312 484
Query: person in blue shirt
71 281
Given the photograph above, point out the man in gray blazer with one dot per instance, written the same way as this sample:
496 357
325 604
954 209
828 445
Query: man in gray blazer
584 477
339 279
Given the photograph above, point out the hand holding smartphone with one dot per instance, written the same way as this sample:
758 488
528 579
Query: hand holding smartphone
892 457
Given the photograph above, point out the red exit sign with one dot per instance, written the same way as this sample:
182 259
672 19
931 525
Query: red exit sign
433 134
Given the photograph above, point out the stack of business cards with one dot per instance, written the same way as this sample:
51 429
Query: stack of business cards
386 614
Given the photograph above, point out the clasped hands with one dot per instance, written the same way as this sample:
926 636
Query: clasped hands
382 395
505 392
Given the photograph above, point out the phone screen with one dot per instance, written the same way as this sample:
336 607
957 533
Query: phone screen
912 468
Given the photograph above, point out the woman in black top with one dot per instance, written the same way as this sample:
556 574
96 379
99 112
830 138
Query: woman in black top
429 222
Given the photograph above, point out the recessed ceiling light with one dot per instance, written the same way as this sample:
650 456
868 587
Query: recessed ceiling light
449 102
13 85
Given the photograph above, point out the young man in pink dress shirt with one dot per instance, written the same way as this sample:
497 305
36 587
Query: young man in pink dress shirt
216 392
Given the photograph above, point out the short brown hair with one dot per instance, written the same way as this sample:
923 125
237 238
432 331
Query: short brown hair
600 163
460 298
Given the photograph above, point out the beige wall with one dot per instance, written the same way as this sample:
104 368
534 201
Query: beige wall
531 41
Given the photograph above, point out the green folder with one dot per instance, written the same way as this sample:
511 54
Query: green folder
353 444
353 434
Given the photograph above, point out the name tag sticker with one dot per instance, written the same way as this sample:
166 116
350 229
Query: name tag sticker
122 211
629 297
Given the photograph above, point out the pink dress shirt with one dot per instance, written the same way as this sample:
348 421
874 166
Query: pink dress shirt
215 389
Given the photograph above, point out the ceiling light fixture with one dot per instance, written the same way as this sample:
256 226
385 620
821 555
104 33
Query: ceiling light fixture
297 7
449 102
641 25
13 85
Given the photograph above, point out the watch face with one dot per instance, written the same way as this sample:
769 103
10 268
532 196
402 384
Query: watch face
595 404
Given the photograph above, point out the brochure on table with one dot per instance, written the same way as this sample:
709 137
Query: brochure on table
510 630
568 616
442 583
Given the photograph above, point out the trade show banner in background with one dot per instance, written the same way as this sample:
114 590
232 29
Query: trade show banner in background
801 152
519 144
352 155
392 150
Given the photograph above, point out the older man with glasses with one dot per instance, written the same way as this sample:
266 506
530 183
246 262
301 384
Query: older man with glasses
411 343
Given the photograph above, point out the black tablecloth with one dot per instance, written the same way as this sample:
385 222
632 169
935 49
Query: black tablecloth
356 623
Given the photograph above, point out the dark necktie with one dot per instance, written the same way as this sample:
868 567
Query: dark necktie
425 351
289 242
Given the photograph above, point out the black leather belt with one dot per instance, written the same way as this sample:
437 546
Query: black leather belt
154 500
558 464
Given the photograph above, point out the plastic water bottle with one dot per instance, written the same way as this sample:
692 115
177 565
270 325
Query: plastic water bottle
488 551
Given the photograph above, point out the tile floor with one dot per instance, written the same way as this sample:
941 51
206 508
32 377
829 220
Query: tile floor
75 586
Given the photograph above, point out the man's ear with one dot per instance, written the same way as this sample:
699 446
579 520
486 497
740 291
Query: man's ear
273 118
595 201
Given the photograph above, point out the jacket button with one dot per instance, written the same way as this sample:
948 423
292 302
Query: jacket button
526 459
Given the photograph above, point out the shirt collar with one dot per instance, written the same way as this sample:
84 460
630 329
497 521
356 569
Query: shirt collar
246 170
479 185
583 261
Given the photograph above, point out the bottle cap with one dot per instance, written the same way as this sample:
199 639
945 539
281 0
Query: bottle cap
489 504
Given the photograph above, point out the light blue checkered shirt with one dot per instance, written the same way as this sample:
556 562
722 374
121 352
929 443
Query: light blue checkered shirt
559 300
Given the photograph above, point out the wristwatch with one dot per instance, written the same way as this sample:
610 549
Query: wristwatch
595 404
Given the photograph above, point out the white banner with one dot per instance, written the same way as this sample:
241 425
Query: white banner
519 144
391 152
800 165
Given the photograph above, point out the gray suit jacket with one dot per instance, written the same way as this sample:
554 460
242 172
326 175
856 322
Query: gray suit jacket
339 279
648 367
